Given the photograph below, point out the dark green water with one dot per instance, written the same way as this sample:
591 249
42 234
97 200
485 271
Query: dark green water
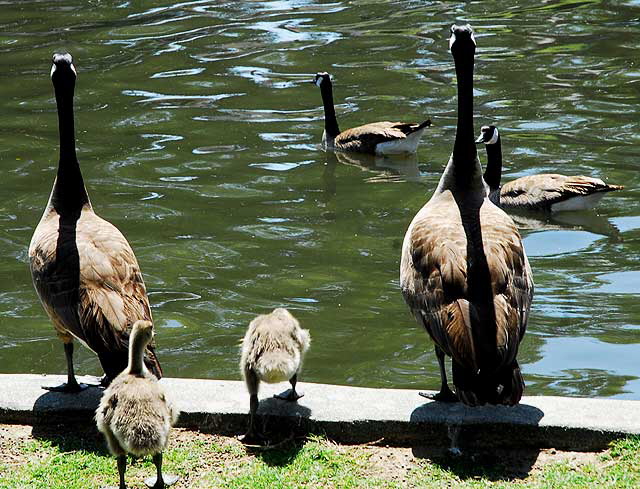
197 134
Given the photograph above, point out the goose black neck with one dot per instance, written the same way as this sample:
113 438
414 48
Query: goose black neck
464 150
330 121
137 345
493 172
69 194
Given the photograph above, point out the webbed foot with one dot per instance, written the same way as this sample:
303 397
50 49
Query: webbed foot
289 395
69 388
167 480
445 395
251 438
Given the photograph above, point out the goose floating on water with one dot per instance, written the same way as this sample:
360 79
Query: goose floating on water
374 138
83 268
134 414
272 351
464 272
549 192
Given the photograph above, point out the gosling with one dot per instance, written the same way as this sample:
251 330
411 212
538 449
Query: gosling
272 351
134 414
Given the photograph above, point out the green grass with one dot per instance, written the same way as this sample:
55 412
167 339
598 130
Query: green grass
317 463
72 462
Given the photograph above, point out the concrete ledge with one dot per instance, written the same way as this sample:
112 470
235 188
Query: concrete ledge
348 414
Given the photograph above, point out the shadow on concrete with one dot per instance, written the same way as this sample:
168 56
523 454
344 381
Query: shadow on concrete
66 420
496 442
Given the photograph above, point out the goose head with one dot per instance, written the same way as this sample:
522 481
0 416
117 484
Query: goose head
461 38
322 79
488 135
62 69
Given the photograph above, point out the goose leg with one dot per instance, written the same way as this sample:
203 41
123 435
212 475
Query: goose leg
160 481
445 394
72 385
290 395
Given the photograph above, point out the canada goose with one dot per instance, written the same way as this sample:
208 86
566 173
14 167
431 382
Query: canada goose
272 350
134 414
464 272
546 192
82 267
375 138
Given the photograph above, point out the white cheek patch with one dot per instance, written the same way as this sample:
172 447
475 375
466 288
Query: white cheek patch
494 138
473 39
73 68
53 69
319 81
452 39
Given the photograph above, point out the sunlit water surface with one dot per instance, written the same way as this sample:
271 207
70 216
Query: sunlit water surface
198 136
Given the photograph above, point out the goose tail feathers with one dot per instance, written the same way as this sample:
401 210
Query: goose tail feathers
504 386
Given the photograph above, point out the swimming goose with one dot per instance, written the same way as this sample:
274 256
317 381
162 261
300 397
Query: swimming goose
464 272
82 267
546 192
272 351
375 138
134 414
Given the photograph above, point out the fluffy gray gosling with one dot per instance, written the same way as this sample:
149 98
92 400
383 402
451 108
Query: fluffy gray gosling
134 414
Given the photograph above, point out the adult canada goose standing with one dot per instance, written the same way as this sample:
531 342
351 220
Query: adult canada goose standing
83 269
272 351
375 138
134 414
544 192
464 272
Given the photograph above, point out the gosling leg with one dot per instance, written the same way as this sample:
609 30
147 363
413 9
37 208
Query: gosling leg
72 385
290 395
445 394
160 481
122 467
252 386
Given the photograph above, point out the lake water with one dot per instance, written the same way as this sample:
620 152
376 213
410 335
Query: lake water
198 136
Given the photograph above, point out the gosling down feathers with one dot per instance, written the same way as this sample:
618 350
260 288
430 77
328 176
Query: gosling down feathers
464 272
134 414
83 268
272 351
548 192
375 138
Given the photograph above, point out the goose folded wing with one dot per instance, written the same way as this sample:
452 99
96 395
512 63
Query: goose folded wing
437 292
511 281
365 138
112 292
546 189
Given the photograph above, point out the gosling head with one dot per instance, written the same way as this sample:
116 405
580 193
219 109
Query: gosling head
142 332
488 135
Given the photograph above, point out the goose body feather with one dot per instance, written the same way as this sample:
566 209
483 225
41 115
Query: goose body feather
554 192
379 138
96 300
434 281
